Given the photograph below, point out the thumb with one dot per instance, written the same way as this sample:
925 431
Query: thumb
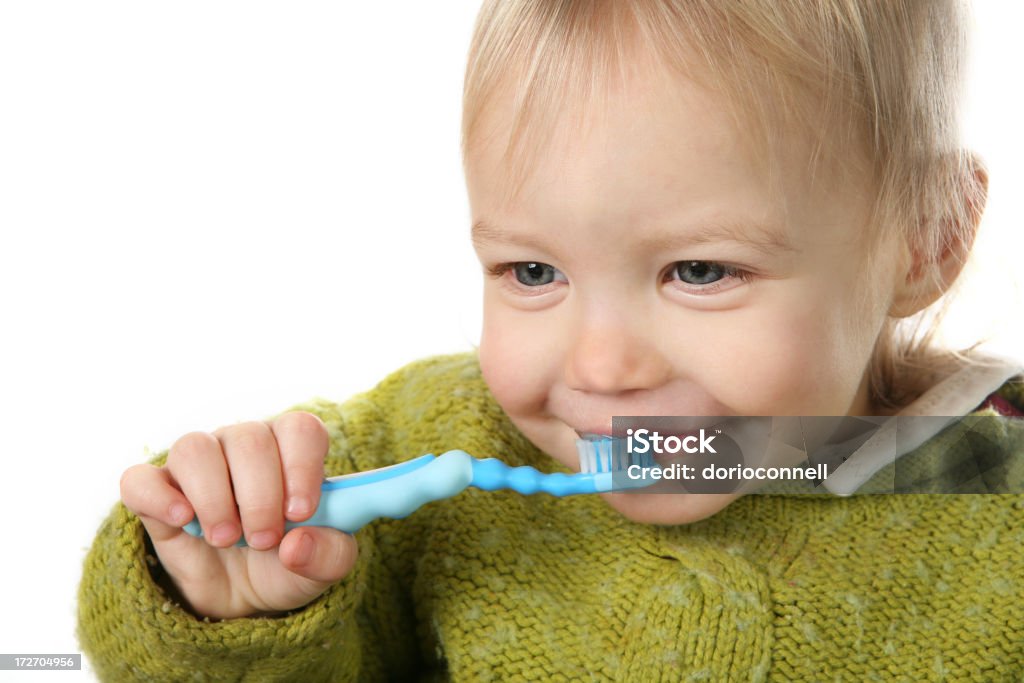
320 554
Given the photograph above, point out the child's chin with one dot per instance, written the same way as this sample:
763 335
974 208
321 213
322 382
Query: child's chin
668 508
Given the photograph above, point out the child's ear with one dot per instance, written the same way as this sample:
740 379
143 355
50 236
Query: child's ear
931 272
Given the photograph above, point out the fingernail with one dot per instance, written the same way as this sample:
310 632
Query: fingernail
299 505
178 513
223 533
305 552
261 540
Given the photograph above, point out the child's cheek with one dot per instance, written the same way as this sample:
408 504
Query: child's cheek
509 365
805 363
773 359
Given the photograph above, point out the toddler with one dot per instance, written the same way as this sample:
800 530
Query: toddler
682 207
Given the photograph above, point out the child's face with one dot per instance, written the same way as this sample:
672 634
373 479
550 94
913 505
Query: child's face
669 278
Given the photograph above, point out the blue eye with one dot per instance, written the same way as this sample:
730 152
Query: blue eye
700 272
705 278
533 274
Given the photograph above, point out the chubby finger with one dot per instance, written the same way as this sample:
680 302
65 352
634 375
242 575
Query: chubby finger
303 442
320 554
196 463
149 492
255 465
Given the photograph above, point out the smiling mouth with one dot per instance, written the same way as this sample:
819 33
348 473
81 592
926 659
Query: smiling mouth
680 433
593 436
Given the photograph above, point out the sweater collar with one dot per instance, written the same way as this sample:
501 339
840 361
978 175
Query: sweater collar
957 395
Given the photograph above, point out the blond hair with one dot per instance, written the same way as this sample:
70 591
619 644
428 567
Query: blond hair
875 82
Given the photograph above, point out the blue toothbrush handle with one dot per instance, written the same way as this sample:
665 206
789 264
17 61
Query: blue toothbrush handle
349 502
491 474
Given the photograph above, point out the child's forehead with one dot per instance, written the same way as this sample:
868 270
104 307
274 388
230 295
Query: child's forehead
654 140
788 88
647 96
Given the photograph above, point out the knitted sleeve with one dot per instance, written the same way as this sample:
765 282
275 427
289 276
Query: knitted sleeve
360 629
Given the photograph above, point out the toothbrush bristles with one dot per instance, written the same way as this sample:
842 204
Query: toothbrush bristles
600 454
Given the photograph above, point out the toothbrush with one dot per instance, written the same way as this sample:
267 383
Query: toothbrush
350 501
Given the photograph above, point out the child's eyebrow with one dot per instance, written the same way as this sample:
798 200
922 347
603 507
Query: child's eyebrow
762 237
484 232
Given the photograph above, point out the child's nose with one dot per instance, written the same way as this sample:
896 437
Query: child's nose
613 361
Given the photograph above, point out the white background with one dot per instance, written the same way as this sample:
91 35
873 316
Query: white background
212 211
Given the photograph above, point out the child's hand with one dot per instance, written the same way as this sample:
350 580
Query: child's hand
263 472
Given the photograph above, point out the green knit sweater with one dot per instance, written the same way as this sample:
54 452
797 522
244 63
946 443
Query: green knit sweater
499 586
